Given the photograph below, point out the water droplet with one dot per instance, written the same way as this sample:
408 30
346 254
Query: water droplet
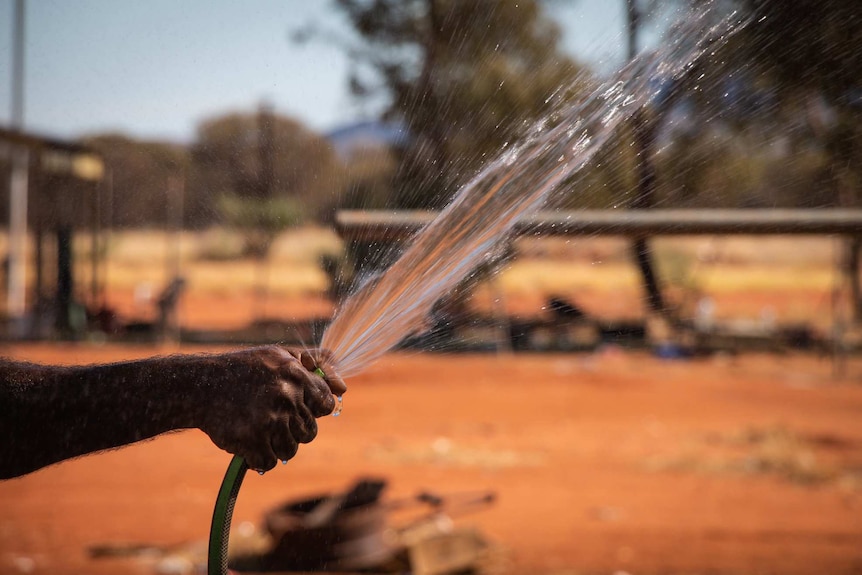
284 461
261 472
339 405
486 208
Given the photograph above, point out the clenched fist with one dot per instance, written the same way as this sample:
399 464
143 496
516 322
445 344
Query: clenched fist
261 403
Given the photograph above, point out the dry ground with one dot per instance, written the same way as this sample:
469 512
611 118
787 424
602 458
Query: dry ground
602 463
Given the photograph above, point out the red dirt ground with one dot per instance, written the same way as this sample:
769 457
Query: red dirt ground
602 463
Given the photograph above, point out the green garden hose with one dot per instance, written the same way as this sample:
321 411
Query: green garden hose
223 512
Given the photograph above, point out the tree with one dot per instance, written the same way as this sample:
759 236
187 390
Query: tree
807 52
805 46
369 173
140 172
817 71
462 76
263 173
262 156
775 116
788 79
259 220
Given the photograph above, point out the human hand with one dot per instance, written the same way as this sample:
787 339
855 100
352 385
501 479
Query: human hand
260 403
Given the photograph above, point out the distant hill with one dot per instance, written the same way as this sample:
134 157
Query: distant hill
347 139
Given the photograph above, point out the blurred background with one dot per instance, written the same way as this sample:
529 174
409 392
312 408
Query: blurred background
190 176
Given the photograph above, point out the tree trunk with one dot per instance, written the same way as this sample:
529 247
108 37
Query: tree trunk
435 137
853 259
643 131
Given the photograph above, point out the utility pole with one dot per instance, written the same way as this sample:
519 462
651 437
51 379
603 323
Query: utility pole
18 184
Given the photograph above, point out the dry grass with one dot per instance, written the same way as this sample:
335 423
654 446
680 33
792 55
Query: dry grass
790 277
212 262
776 450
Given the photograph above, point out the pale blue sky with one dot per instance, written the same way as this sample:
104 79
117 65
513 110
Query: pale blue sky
154 69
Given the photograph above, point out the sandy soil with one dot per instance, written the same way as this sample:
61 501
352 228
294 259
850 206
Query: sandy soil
609 462
602 463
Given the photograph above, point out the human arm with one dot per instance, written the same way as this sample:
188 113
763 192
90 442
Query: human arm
258 403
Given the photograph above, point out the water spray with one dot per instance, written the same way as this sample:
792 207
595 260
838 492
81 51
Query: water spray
485 211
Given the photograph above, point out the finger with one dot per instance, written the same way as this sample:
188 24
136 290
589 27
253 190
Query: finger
297 418
283 443
318 398
323 361
260 458
297 353
303 426
295 373
336 384
308 361
313 389
275 357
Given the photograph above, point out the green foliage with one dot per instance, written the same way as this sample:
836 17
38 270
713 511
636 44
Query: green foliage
260 220
141 171
237 154
368 177
806 51
227 157
463 76
805 45
800 147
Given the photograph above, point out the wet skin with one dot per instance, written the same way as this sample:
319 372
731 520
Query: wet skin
259 403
